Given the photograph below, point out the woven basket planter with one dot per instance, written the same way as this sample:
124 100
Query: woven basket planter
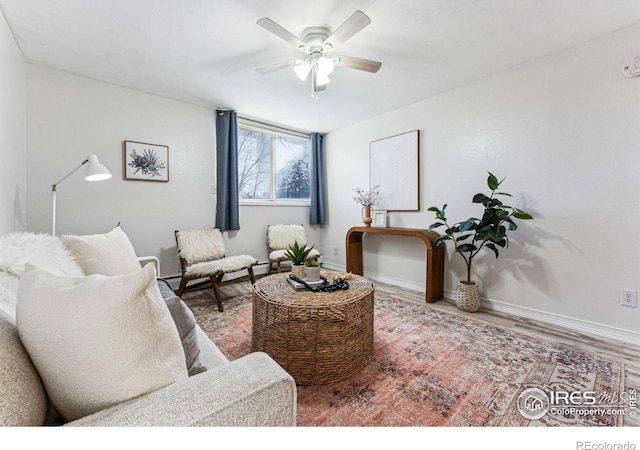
468 297
298 270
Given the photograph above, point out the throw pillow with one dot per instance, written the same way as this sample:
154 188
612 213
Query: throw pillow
186 324
23 401
97 341
40 250
105 254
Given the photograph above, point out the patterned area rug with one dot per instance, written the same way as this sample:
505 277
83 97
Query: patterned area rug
434 368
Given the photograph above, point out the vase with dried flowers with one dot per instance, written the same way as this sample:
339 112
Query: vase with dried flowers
366 199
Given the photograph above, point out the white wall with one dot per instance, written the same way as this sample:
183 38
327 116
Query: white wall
70 117
13 129
565 132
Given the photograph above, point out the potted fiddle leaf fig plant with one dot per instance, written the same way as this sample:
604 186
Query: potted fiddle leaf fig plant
472 235
297 254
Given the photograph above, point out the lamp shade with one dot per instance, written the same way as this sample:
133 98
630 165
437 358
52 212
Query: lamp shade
325 65
322 79
95 171
302 70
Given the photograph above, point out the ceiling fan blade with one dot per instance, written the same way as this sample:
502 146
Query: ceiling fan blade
279 66
358 63
355 23
276 29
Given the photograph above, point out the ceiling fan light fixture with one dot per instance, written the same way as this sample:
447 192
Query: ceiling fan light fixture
317 43
325 65
302 70
314 85
322 78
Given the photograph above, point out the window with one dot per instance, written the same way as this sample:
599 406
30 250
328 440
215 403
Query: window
273 165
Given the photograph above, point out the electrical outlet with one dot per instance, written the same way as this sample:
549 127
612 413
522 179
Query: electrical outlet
629 298
335 250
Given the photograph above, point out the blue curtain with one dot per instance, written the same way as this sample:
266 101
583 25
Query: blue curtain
227 210
316 209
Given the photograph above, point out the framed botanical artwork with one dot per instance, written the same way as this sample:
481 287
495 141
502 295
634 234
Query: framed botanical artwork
394 165
379 218
146 162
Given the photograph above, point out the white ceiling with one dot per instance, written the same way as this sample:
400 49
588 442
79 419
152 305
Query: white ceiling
206 51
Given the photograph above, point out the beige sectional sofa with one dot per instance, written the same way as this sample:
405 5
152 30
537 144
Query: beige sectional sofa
250 391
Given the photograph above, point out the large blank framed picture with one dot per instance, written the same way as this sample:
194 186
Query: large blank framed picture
394 165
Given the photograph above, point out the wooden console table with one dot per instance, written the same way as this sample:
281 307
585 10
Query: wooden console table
435 255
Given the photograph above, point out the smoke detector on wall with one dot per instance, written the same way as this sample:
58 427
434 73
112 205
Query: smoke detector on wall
632 69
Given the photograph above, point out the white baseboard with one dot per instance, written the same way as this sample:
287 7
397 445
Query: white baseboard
579 325
570 323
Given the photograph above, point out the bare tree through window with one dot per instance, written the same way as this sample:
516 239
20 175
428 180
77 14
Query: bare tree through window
254 164
272 165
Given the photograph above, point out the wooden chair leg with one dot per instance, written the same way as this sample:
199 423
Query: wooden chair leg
215 279
279 266
183 284
251 276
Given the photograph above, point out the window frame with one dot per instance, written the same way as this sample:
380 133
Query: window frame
273 131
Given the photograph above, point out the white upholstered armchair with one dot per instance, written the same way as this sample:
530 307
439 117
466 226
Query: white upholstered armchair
279 238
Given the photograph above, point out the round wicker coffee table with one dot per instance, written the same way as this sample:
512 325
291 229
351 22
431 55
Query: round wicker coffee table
318 337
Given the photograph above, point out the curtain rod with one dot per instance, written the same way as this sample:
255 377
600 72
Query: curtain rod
273 127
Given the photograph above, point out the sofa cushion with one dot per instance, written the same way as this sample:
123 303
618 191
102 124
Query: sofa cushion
186 324
105 254
210 355
23 400
97 341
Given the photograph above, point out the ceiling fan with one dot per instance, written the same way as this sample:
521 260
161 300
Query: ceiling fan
318 43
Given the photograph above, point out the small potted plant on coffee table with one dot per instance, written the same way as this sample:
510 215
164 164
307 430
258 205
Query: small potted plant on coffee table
298 254
312 269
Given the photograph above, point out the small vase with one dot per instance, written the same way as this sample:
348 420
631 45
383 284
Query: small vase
312 273
468 296
366 216
298 270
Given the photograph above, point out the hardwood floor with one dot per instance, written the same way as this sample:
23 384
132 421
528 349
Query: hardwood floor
626 353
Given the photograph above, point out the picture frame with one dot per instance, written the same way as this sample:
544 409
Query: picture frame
394 165
379 218
145 162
